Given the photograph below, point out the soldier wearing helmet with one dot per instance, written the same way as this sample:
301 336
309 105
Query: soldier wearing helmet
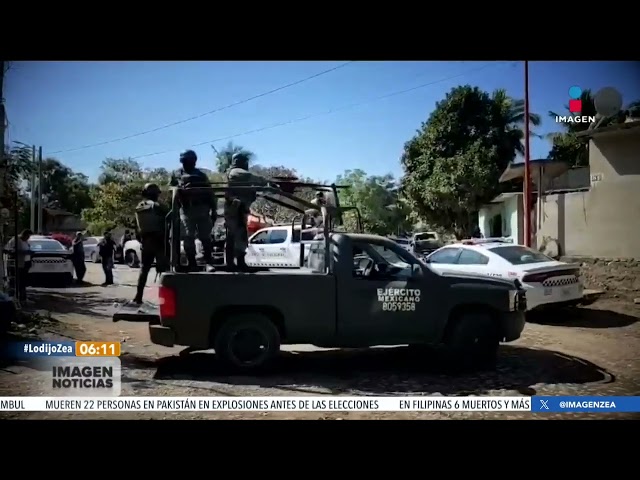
236 209
150 217
198 208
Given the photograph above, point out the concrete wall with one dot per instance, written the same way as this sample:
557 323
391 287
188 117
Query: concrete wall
605 220
574 178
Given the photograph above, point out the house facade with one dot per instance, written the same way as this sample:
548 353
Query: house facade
591 211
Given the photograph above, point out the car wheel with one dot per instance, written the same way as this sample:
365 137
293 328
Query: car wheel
472 341
131 259
247 343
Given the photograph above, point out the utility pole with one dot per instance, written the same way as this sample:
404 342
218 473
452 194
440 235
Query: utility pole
527 155
40 195
33 191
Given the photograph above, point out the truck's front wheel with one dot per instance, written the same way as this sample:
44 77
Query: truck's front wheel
473 341
247 342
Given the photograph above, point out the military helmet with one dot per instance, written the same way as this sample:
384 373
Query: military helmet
188 156
151 190
240 160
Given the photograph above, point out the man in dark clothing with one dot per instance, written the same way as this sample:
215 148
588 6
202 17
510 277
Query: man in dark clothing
106 250
19 265
151 218
77 256
236 209
198 208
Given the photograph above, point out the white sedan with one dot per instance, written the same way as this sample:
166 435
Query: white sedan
133 255
50 260
548 282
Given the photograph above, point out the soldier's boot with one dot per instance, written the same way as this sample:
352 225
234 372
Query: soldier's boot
142 282
192 264
241 264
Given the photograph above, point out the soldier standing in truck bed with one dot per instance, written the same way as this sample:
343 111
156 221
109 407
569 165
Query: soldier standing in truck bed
198 208
236 209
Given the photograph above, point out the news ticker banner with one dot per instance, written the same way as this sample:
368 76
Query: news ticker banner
323 404
71 369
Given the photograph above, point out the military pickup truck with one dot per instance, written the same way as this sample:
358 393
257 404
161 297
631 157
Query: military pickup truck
362 290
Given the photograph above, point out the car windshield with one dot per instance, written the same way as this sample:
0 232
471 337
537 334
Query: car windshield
519 255
47 245
391 257
425 236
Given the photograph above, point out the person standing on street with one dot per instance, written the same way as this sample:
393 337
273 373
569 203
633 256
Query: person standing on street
106 250
77 257
237 205
19 270
151 218
198 209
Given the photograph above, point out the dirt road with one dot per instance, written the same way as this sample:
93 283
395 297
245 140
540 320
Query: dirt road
593 353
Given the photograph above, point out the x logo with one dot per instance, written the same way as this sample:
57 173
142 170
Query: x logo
544 404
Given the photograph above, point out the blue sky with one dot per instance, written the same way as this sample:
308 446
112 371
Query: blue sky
66 105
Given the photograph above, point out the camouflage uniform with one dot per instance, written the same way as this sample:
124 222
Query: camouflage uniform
198 208
236 208
151 220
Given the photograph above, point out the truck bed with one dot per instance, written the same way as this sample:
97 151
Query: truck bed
301 296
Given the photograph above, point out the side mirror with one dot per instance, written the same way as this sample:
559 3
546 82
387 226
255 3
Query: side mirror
426 260
382 268
416 271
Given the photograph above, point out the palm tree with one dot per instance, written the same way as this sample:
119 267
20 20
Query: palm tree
224 156
509 118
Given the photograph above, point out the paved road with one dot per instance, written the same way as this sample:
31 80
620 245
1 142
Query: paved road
594 353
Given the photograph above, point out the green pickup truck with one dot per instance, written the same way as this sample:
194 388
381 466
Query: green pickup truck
354 290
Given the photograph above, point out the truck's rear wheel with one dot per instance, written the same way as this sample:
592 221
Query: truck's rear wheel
247 342
473 341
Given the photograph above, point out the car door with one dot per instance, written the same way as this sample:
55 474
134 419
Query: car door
444 260
276 250
256 246
392 307
472 262
89 246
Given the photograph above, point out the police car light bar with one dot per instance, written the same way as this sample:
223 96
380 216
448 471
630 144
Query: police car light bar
480 241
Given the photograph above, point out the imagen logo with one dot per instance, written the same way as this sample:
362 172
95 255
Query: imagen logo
575 108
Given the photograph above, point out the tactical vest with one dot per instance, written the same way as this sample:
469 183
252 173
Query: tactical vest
236 175
149 217
191 195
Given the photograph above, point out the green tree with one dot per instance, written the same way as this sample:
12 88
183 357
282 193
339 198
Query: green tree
63 188
224 156
453 163
377 197
118 192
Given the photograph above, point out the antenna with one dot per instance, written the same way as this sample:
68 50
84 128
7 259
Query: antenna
608 101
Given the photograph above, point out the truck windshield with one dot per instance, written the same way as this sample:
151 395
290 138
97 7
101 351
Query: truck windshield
390 256
425 236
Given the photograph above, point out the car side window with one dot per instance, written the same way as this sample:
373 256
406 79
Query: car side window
278 236
446 256
471 257
260 238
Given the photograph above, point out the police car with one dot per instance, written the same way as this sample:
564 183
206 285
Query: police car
278 246
548 282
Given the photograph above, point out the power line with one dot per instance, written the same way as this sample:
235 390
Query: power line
210 112
329 112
